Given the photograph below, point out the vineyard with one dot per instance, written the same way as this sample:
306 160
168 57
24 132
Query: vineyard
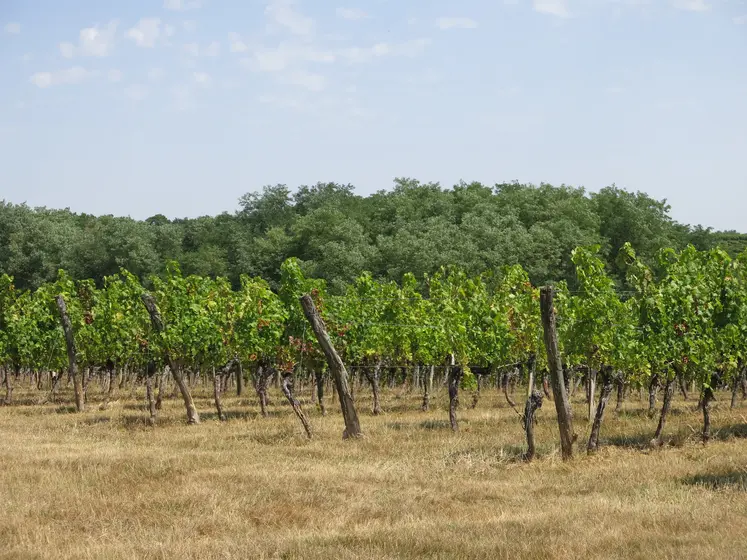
432 368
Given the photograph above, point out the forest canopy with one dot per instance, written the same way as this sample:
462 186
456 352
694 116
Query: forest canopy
337 234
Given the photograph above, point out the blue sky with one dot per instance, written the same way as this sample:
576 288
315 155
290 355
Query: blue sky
140 107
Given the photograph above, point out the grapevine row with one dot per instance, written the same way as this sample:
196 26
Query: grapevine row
680 320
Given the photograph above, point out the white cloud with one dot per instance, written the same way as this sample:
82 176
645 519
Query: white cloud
285 55
114 75
740 20
281 12
189 26
155 74
180 5
325 107
273 60
96 42
413 47
284 102
351 13
410 48
456 23
146 32
13 28
192 49
136 92
67 50
691 5
92 41
168 30
73 75
308 80
202 78
237 45
557 8
182 98
213 49
42 79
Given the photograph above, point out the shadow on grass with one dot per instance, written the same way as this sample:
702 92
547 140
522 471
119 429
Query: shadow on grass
635 441
97 420
638 413
133 422
507 454
135 406
398 426
730 480
643 441
733 431
398 408
435 425
229 415
518 454
272 438
25 401
65 409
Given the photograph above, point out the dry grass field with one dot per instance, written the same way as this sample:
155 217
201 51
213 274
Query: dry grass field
103 485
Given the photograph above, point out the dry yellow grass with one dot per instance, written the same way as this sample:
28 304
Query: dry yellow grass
103 485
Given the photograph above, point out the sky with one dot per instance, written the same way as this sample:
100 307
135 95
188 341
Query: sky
179 107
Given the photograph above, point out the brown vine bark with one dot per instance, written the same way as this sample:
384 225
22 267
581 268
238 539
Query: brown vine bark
220 377
427 386
217 390
604 398
620 394
658 440
506 381
555 367
683 388
111 376
454 378
239 380
8 387
373 375
546 385
162 389
262 380
153 412
287 387
739 380
534 402
591 395
532 372
336 366
476 394
708 398
653 387
193 416
319 378
72 358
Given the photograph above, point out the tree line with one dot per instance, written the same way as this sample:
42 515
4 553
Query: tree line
337 234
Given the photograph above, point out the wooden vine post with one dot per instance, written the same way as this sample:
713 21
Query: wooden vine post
534 403
339 373
287 386
67 328
193 416
555 365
